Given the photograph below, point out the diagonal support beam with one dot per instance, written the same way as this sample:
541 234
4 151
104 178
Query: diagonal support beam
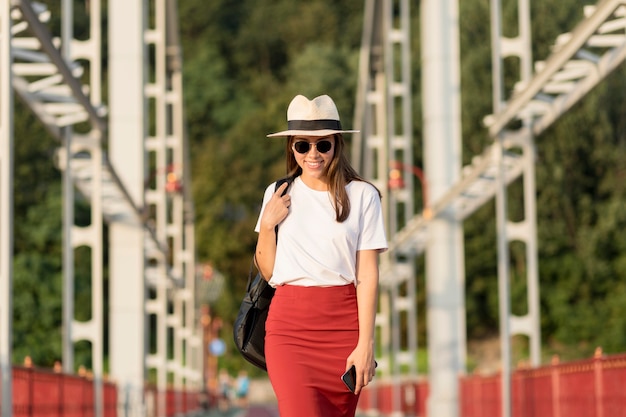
41 32
601 37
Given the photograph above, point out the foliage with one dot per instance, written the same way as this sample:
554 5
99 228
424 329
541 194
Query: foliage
579 204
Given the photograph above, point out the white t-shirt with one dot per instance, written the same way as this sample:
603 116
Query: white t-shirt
313 248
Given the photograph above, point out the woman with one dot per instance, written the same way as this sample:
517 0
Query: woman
324 266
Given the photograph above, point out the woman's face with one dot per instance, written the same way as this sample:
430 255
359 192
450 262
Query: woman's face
313 154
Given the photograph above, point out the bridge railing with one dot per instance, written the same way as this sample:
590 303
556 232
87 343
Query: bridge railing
586 388
45 393
178 403
377 399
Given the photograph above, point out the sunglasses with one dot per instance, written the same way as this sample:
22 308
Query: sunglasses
303 147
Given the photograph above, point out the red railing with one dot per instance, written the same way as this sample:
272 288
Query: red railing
381 398
176 402
586 388
44 393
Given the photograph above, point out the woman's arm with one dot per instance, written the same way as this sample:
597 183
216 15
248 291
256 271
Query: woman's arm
367 299
274 212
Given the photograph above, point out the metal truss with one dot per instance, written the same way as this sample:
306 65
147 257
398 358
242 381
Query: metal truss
169 197
477 186
384 116
595 48
579 62
524 230
50 84
48 76
46 81
51 87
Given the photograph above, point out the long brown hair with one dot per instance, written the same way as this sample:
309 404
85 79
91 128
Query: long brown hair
339 173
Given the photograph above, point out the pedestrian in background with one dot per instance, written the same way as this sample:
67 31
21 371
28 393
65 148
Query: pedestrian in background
323 264
225 385
242 386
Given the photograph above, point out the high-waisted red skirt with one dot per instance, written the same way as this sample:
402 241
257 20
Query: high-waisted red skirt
310 331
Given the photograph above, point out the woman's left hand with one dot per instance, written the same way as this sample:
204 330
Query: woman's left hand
363 361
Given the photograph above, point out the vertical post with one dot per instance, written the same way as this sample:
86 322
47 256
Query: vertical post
598 382
91 235
555 382
182 213
530 198
383 114
501 215
6 209
68 212
525 230
97 216
442 161
503 282
156 142
369 154
127 129
399 142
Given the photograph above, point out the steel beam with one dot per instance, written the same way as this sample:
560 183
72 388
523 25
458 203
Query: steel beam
6 210
596 46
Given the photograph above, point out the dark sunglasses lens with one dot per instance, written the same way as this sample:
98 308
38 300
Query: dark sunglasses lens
302 147
323 146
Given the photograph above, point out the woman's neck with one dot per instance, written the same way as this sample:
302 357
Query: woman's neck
317 184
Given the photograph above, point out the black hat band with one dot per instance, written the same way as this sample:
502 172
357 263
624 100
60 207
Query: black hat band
314 124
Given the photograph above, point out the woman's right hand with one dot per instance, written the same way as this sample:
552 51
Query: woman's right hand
277 208
274 212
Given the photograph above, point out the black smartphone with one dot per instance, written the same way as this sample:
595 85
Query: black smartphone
349 377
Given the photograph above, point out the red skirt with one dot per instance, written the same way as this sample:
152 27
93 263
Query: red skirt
310 331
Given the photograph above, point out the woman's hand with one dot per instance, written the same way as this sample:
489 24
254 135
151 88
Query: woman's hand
363 360
276 209
275 212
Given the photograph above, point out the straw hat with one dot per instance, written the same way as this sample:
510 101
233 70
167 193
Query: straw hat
317 117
